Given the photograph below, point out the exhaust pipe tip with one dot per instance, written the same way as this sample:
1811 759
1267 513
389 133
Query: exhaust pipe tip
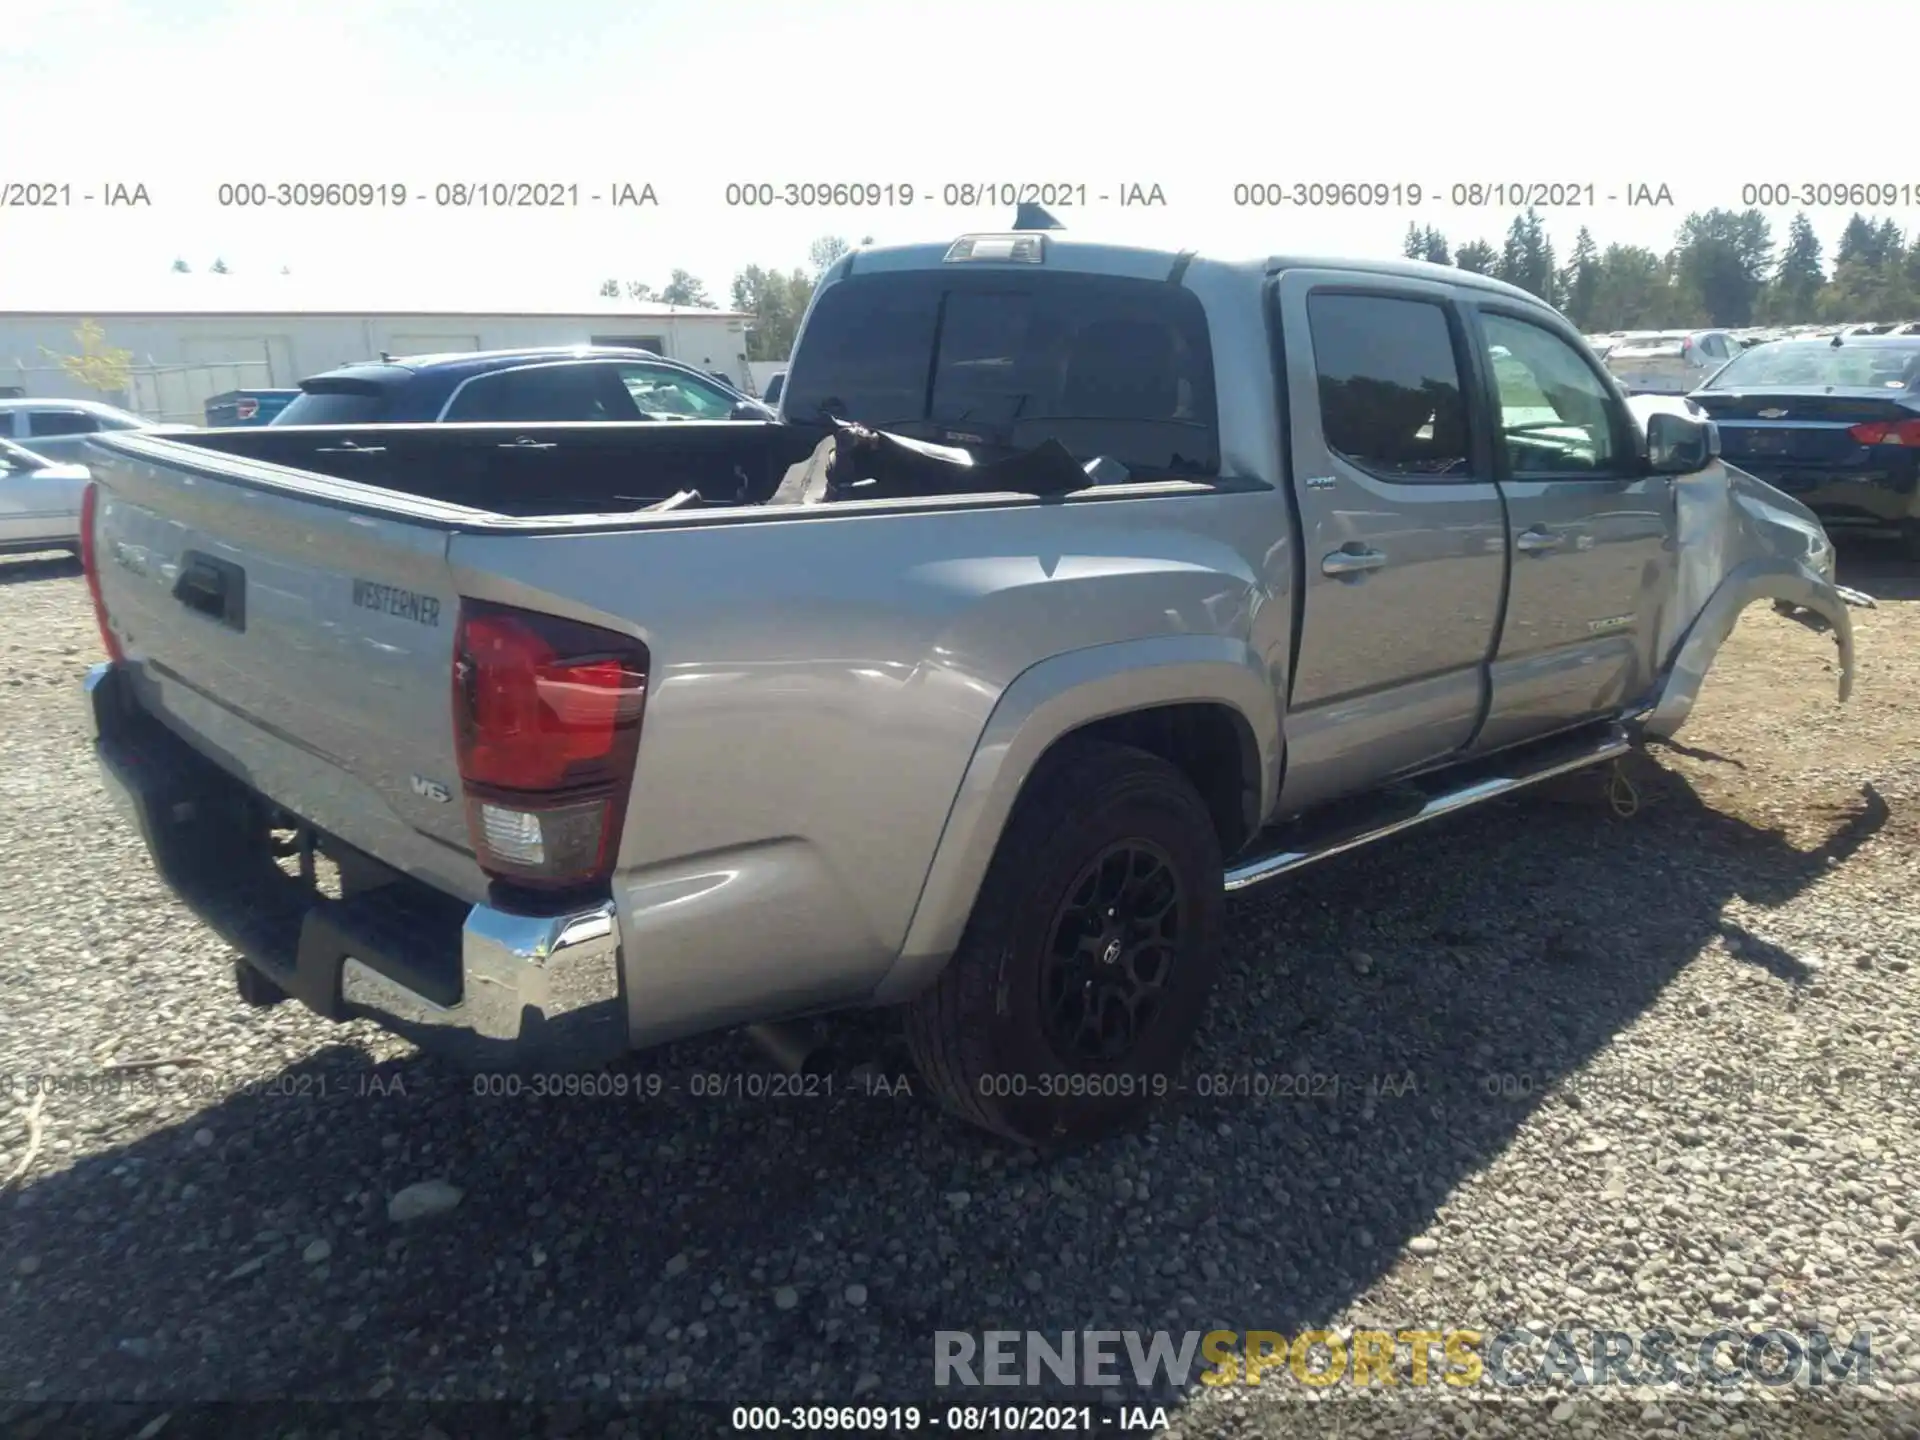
796 1047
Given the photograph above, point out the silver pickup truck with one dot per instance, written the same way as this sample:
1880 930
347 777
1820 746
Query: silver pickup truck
1078 587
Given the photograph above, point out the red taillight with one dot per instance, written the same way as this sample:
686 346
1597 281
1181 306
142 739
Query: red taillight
546 716
246 409
90 562
1887 432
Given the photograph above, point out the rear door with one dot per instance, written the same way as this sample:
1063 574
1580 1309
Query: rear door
1591 533
1405 543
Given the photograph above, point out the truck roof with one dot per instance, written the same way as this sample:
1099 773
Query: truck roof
1104 258
61 402
459 361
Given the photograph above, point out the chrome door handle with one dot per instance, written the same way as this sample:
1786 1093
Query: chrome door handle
1535 541
1351 562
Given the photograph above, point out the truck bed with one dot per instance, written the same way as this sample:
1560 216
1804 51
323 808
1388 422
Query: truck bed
532 470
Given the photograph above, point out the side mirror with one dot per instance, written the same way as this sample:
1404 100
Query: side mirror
751 410
1679 445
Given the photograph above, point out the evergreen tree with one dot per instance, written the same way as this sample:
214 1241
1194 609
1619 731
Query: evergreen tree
1476 256
1793 295
1724 256
1580 280
1527 258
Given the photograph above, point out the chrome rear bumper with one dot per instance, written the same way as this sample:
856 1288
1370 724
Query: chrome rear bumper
491 987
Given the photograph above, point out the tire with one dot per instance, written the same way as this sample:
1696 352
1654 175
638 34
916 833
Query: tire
984 1037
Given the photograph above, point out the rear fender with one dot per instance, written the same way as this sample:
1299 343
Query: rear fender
1738 541
1048 701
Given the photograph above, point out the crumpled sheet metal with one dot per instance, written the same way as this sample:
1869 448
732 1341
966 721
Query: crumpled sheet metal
1738 540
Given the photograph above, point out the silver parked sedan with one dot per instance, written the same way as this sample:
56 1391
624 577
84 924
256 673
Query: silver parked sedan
64 429
39 501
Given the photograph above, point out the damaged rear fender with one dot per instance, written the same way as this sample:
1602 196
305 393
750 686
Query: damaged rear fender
1739 541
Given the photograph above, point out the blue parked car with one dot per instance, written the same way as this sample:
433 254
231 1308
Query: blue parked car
555 383
248 407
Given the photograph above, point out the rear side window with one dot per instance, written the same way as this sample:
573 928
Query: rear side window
661 394
1107 366
61 422
334 407
558 393
1389 384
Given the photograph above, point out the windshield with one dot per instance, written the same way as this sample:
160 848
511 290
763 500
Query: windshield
1819 364
1108 366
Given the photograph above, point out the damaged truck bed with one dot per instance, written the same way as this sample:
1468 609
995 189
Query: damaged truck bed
1081 586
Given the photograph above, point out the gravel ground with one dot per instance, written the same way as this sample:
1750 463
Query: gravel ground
1646 1070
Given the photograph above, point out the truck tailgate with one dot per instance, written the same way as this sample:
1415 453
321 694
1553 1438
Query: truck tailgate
301 642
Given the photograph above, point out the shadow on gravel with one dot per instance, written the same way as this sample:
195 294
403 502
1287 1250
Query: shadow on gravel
23 569
1879 569
245 1250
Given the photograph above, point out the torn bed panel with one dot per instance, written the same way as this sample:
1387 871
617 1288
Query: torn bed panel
854 462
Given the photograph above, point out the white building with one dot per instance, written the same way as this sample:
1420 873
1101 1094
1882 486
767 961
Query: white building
192 336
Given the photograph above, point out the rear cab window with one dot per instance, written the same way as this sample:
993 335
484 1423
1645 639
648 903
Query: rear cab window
1001 361
356 405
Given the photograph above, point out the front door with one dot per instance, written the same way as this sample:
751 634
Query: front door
1404 540
1591 536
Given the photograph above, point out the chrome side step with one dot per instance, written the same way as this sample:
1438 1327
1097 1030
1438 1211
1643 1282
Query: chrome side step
1511 772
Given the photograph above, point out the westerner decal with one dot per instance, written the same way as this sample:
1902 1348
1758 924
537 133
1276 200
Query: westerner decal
390 600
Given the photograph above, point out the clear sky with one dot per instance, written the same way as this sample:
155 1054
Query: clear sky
184 95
